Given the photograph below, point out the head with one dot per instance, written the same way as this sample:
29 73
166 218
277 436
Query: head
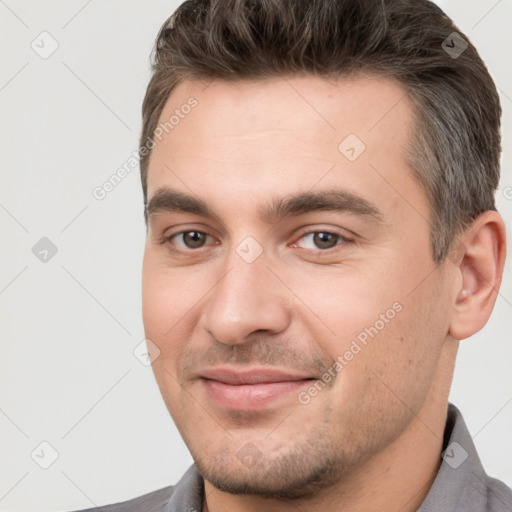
319 183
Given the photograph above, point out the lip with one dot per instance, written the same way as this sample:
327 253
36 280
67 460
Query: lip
253 389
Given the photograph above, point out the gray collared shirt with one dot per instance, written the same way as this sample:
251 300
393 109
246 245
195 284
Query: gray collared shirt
461 485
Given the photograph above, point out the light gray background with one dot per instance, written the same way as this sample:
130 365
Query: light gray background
69 326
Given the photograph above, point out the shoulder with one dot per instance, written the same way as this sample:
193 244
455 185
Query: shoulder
499 496
154 501
186 495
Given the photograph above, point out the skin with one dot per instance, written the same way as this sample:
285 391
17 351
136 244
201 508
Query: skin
371 439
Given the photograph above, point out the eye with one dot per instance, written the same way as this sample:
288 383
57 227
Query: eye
189 239
321 240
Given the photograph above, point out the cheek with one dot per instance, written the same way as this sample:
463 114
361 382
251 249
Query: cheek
398 365
367 320
343 304
167 306
165 323
168 293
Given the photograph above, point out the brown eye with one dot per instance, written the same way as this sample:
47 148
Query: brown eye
190 239
325 240
321 240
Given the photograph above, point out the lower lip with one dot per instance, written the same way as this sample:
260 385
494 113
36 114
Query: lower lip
249 397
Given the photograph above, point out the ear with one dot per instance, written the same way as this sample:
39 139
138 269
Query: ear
479 258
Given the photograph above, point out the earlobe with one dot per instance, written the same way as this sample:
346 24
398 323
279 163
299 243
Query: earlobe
480 267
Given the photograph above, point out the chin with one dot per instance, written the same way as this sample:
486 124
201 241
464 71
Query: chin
292 476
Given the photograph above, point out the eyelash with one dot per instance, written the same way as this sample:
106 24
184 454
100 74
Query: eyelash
342 241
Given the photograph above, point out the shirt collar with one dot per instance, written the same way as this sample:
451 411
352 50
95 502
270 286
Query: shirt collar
461 484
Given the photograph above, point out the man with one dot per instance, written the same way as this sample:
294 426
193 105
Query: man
319 181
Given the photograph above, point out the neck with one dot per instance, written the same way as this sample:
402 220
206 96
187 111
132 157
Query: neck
396 478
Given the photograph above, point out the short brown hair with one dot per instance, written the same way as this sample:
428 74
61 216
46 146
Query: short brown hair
455 148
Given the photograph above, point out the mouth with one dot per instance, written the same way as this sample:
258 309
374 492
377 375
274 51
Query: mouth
251 390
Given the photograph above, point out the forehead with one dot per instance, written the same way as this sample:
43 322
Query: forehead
299 104
284 133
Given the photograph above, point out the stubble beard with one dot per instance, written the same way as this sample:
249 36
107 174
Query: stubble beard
300 472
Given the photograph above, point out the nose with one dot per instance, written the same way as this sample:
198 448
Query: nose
247 299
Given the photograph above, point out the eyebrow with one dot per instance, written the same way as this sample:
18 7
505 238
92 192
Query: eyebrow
337 200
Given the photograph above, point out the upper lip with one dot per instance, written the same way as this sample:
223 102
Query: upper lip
237 377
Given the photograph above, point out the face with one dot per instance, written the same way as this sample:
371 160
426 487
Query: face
288 281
